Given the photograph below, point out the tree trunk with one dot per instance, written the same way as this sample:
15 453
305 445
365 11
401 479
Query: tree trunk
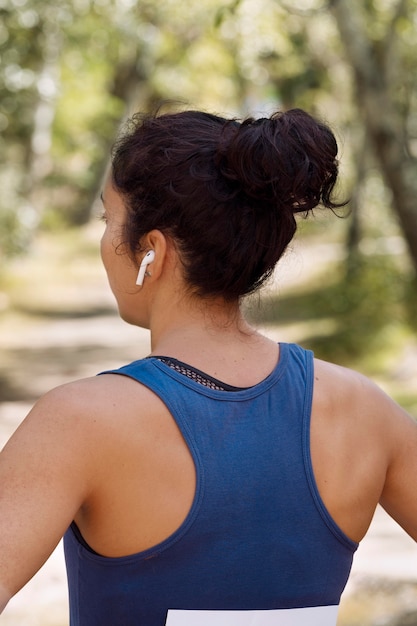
361 154
380 113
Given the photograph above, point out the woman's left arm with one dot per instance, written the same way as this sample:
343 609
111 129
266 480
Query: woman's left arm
399 495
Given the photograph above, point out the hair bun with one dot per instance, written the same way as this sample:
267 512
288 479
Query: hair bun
286 161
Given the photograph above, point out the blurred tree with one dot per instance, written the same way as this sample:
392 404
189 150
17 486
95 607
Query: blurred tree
380 44
21 64
70 72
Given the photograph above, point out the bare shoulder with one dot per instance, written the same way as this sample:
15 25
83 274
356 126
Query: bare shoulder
354 405
96 390
363 436
355 395
89 402
339 375
73 428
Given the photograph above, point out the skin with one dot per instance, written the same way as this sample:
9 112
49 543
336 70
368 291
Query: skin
88 446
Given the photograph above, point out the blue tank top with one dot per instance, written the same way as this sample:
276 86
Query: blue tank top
258 539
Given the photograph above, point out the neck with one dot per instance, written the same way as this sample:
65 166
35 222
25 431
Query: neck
214 338
198 323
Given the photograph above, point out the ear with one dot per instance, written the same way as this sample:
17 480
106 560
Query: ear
156 241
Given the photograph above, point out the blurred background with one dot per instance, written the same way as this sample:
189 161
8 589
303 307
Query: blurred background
72 71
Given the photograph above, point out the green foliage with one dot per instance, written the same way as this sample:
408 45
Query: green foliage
411 301
365 303
358 310
16 218
14 238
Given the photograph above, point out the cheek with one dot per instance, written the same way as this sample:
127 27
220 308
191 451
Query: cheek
110 258
120 269
105 251
108 247
103 245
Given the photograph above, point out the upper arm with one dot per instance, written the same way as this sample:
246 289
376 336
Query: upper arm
399 495
45 471
364 451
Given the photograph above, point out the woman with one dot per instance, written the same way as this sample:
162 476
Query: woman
224 479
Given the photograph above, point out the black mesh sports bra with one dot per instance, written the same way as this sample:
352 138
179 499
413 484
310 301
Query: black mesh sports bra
197 375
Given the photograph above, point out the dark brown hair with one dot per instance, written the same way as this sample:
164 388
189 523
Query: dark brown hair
226 192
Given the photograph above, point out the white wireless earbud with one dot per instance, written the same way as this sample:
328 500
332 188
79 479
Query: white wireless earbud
148 258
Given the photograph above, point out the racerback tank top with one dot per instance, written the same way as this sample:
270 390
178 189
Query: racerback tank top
258 546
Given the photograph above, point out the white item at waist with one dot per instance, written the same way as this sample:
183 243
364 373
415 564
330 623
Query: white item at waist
313 616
